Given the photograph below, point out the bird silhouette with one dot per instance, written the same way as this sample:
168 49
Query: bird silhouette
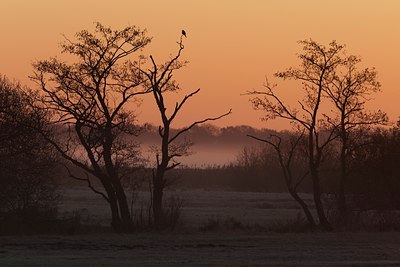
184 33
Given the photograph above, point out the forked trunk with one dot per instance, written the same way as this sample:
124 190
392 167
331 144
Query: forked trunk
126 220
120 215
318 203
116 223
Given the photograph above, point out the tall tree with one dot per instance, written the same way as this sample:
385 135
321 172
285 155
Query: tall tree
349 89
159 78
317 64
89 100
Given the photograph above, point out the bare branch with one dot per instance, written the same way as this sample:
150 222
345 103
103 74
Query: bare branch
179 106
87 179
197 123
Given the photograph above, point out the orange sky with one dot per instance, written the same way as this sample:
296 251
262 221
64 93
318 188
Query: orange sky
231 44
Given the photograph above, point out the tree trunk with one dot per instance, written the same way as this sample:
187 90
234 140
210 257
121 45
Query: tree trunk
116 223
157 199
126 220
342 207
125 224
120 215
318 203
314 158
158 178
305 208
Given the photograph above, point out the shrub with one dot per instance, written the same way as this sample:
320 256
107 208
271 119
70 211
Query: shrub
28 192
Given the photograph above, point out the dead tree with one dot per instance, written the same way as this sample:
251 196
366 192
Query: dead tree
349 90
160 80
88 100
286 155
317 64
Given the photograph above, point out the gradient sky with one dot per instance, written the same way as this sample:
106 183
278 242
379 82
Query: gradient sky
231 44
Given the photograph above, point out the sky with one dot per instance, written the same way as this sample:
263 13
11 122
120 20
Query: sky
232 45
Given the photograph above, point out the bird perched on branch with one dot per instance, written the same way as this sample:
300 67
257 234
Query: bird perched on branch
184 33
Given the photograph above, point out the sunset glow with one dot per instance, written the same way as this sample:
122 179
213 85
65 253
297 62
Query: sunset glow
231 44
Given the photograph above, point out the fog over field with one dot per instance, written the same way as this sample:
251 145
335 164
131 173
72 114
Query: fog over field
211 145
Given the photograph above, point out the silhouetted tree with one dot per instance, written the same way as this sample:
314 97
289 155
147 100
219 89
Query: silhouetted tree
160 79
288 152
317 64
28 162
349 88
89 100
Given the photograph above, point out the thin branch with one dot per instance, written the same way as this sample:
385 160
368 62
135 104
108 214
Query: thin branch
179 106
196 123
87 179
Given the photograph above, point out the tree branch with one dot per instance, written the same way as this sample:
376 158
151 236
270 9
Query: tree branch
196 123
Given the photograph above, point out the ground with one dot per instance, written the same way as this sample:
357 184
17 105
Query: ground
203 249
250 243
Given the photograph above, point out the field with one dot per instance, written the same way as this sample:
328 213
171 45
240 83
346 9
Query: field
244 245
199 206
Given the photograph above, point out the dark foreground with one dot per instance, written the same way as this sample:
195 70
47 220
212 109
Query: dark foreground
203 249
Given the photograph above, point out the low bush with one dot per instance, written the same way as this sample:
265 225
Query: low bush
368 220
36 221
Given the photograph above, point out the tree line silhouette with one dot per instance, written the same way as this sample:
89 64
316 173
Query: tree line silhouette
82 117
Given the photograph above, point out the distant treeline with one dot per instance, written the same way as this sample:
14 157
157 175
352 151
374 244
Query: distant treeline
374 169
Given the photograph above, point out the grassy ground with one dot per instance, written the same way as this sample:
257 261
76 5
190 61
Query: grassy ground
189 246
199 206
210 249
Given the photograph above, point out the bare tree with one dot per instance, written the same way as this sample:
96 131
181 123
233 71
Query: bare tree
286 154
317 64
349 89
160 80
89 100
